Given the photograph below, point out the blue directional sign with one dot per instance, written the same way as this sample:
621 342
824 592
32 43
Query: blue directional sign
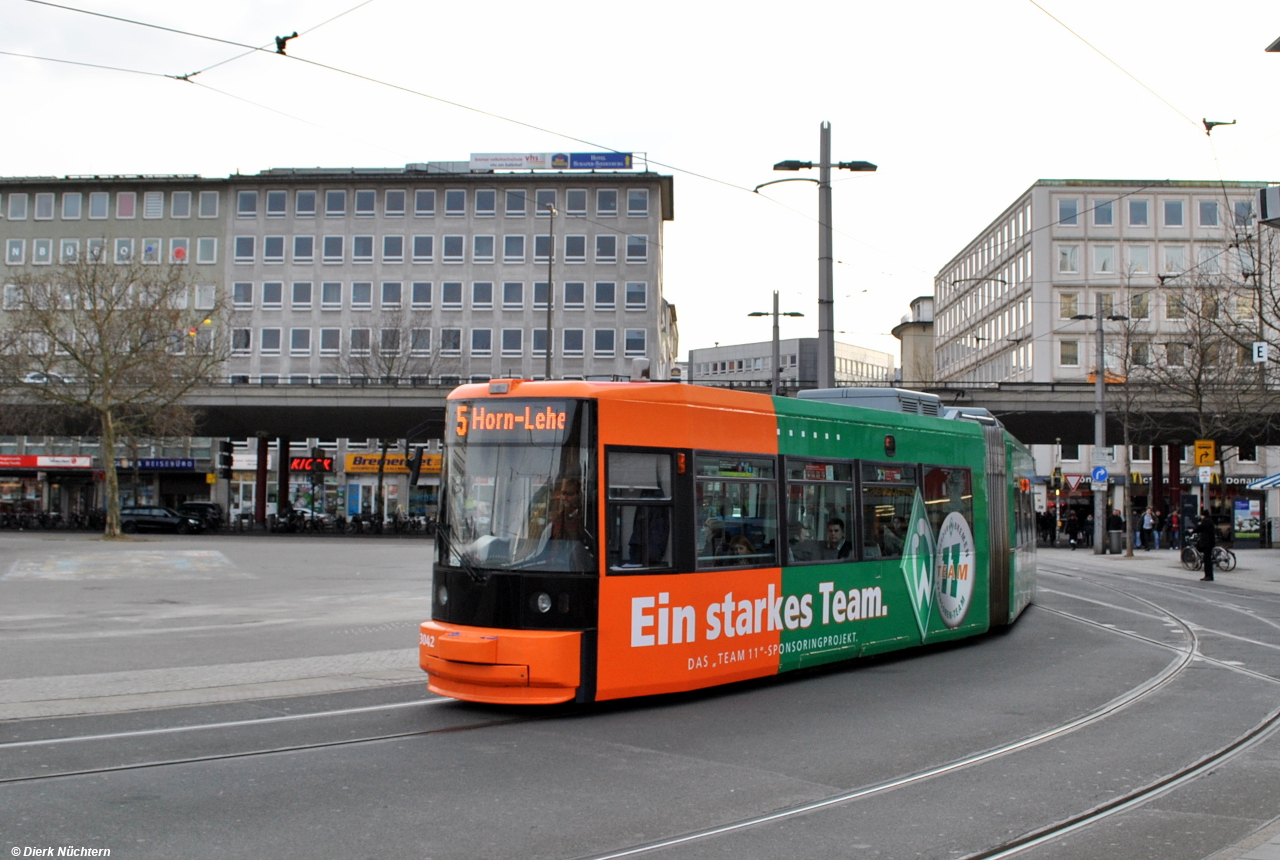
1099 474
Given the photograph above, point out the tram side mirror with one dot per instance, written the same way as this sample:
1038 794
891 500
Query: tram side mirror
639 370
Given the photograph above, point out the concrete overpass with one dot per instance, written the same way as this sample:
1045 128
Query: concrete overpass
1036 413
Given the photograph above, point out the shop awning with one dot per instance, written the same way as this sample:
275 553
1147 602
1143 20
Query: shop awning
1269 483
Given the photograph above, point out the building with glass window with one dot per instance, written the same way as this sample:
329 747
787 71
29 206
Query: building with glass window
429 274
435 271
745 365
1010 306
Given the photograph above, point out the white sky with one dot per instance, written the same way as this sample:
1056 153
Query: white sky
961 104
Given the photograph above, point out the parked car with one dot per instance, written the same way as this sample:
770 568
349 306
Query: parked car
141 519
209 512
37 377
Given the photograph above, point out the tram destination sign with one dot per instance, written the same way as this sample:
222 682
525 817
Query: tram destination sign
544 422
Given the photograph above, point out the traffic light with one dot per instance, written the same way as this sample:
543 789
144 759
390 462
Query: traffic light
415 467
1057 478
224 459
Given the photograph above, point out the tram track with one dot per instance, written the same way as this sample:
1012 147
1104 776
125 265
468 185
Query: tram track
1186 651
1164 784
244 754
1185 657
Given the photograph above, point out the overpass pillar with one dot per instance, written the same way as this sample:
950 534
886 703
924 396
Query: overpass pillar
260 483
1157 478
282 475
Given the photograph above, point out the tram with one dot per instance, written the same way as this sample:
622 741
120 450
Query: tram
605 540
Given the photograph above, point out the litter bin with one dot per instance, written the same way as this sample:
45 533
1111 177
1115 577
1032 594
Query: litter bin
1115 542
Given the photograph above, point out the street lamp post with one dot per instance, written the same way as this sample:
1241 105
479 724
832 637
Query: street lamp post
1099 422
777 370
551 259
826 288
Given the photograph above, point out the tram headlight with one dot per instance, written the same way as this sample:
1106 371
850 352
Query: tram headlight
542 602
442 596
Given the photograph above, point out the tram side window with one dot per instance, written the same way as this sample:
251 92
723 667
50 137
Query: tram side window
888 491
820 512
737 510
947 490
640 510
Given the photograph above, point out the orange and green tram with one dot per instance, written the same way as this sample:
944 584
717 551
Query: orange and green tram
604 540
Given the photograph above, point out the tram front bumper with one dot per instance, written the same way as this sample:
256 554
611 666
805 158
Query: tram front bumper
512 667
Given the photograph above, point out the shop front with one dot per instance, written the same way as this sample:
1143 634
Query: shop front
35 484
165 481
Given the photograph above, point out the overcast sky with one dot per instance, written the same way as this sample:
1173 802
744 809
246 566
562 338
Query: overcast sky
961 104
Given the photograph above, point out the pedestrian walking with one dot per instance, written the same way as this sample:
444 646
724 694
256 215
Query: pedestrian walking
1148 528
1088 530
1206 538
1175 531
1073 530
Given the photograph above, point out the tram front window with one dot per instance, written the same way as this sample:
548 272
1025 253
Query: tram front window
518 480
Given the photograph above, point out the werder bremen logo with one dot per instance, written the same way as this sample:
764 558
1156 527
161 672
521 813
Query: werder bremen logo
917 564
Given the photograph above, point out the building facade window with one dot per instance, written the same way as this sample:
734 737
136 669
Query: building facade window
603 342
331 296
1069 258
637 295
277 204
335 203
366 203
304 204
1208 213
634 343
246 204
481 341
1103 213
361 295
1173 213
637 249
575 293
423 249
512 341
637 202
1068 213
304 249
393 249
420 298
1139 259
1069 353
1104 259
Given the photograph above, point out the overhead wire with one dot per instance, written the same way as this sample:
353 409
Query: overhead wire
250 49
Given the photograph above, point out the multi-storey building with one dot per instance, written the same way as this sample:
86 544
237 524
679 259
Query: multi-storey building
434 273
751 364
1011 306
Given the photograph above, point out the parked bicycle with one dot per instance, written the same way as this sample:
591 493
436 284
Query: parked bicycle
1223 558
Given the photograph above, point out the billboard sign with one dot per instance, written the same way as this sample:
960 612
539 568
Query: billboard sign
552 161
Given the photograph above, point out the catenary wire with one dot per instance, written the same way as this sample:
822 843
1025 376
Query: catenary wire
1126 72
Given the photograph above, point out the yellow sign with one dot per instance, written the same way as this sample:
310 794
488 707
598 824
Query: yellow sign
1206 452
368 463
210 478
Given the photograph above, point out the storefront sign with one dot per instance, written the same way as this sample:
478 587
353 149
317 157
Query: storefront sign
311 464
45 461
162 464
369 463
431 464
249 462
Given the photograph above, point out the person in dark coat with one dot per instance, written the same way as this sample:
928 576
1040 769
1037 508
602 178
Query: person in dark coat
1206 537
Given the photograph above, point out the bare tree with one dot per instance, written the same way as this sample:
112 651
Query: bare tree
394 346
122 343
